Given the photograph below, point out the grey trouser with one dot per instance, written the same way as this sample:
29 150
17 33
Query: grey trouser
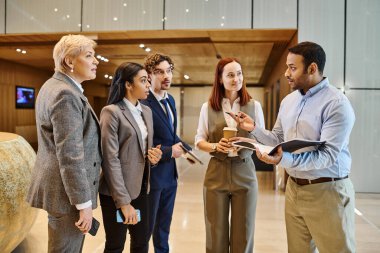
230 185
64 236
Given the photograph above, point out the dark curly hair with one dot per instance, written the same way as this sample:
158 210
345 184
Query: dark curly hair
154 59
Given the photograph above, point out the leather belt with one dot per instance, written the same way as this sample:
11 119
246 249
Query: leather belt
302 181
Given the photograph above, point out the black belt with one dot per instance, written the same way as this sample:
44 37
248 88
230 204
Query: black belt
302 181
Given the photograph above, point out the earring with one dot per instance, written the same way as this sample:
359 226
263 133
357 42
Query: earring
72 70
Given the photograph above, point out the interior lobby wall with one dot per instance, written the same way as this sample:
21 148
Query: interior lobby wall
347 30
20 121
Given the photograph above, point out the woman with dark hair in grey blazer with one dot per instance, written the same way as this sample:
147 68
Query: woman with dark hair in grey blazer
65 178
127 139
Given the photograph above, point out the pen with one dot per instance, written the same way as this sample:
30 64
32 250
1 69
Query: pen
231 114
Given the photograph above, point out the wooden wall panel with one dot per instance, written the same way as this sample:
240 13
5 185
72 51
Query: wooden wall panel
23 121
20 121
271 87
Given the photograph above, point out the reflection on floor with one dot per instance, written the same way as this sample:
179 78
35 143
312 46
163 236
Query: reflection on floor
187 231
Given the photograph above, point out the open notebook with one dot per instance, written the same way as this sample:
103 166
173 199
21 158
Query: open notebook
287 146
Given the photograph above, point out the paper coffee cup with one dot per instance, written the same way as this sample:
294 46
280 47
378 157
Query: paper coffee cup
229 132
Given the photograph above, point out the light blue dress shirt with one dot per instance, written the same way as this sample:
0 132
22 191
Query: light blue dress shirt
323 114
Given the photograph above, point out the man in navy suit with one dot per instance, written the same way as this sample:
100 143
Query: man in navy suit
163 177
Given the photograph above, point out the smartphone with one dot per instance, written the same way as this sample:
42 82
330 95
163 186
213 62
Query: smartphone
94 227
120 216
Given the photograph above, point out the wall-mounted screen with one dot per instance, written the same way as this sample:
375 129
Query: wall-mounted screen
25 97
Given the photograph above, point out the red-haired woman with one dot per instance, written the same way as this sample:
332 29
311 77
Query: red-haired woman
230 182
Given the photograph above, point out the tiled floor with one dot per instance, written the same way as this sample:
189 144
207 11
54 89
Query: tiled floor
187 232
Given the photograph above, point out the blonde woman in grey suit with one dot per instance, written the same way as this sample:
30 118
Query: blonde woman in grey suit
66 175
127 139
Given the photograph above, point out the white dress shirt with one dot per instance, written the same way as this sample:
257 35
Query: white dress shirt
202 131
136 111
76 83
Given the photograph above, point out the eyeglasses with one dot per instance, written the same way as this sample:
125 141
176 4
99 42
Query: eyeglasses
161 72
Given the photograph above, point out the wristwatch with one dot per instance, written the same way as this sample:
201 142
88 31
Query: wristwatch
213 146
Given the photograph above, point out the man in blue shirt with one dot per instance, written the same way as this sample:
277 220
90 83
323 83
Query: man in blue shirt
319 198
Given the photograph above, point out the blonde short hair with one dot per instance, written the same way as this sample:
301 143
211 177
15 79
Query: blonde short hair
71 46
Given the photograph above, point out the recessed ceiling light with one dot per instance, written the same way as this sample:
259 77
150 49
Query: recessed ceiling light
187 10
98 56
223 17
186 77
114 18
147 49
55 9
110 77
79 25
67 16
221 24
125 4
18 50
141 45
106 76
23 52
88 26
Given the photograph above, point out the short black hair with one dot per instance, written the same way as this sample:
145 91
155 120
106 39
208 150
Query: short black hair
311 52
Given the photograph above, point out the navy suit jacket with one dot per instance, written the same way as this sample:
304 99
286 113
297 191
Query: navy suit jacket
165 173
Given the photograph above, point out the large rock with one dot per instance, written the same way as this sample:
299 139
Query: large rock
16 216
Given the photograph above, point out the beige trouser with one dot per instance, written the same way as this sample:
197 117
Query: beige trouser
320 216
230 183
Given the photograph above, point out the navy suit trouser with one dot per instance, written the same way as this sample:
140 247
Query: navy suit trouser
161 206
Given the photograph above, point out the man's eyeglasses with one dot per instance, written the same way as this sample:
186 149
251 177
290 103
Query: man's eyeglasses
161 72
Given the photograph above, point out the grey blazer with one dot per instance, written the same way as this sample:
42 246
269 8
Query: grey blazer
68 160
123 155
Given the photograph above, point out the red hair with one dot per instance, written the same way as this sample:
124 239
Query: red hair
218 90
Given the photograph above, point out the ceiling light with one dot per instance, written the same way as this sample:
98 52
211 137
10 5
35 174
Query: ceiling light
221 24
106 76
141 45
187 10
98 56
67 16
79 25
114 18
55 9
223 17
106 60
23 52
186 77
147 49
88 26
110 77
125 4
144 12
18 50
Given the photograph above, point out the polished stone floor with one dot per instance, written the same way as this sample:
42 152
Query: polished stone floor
187 231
